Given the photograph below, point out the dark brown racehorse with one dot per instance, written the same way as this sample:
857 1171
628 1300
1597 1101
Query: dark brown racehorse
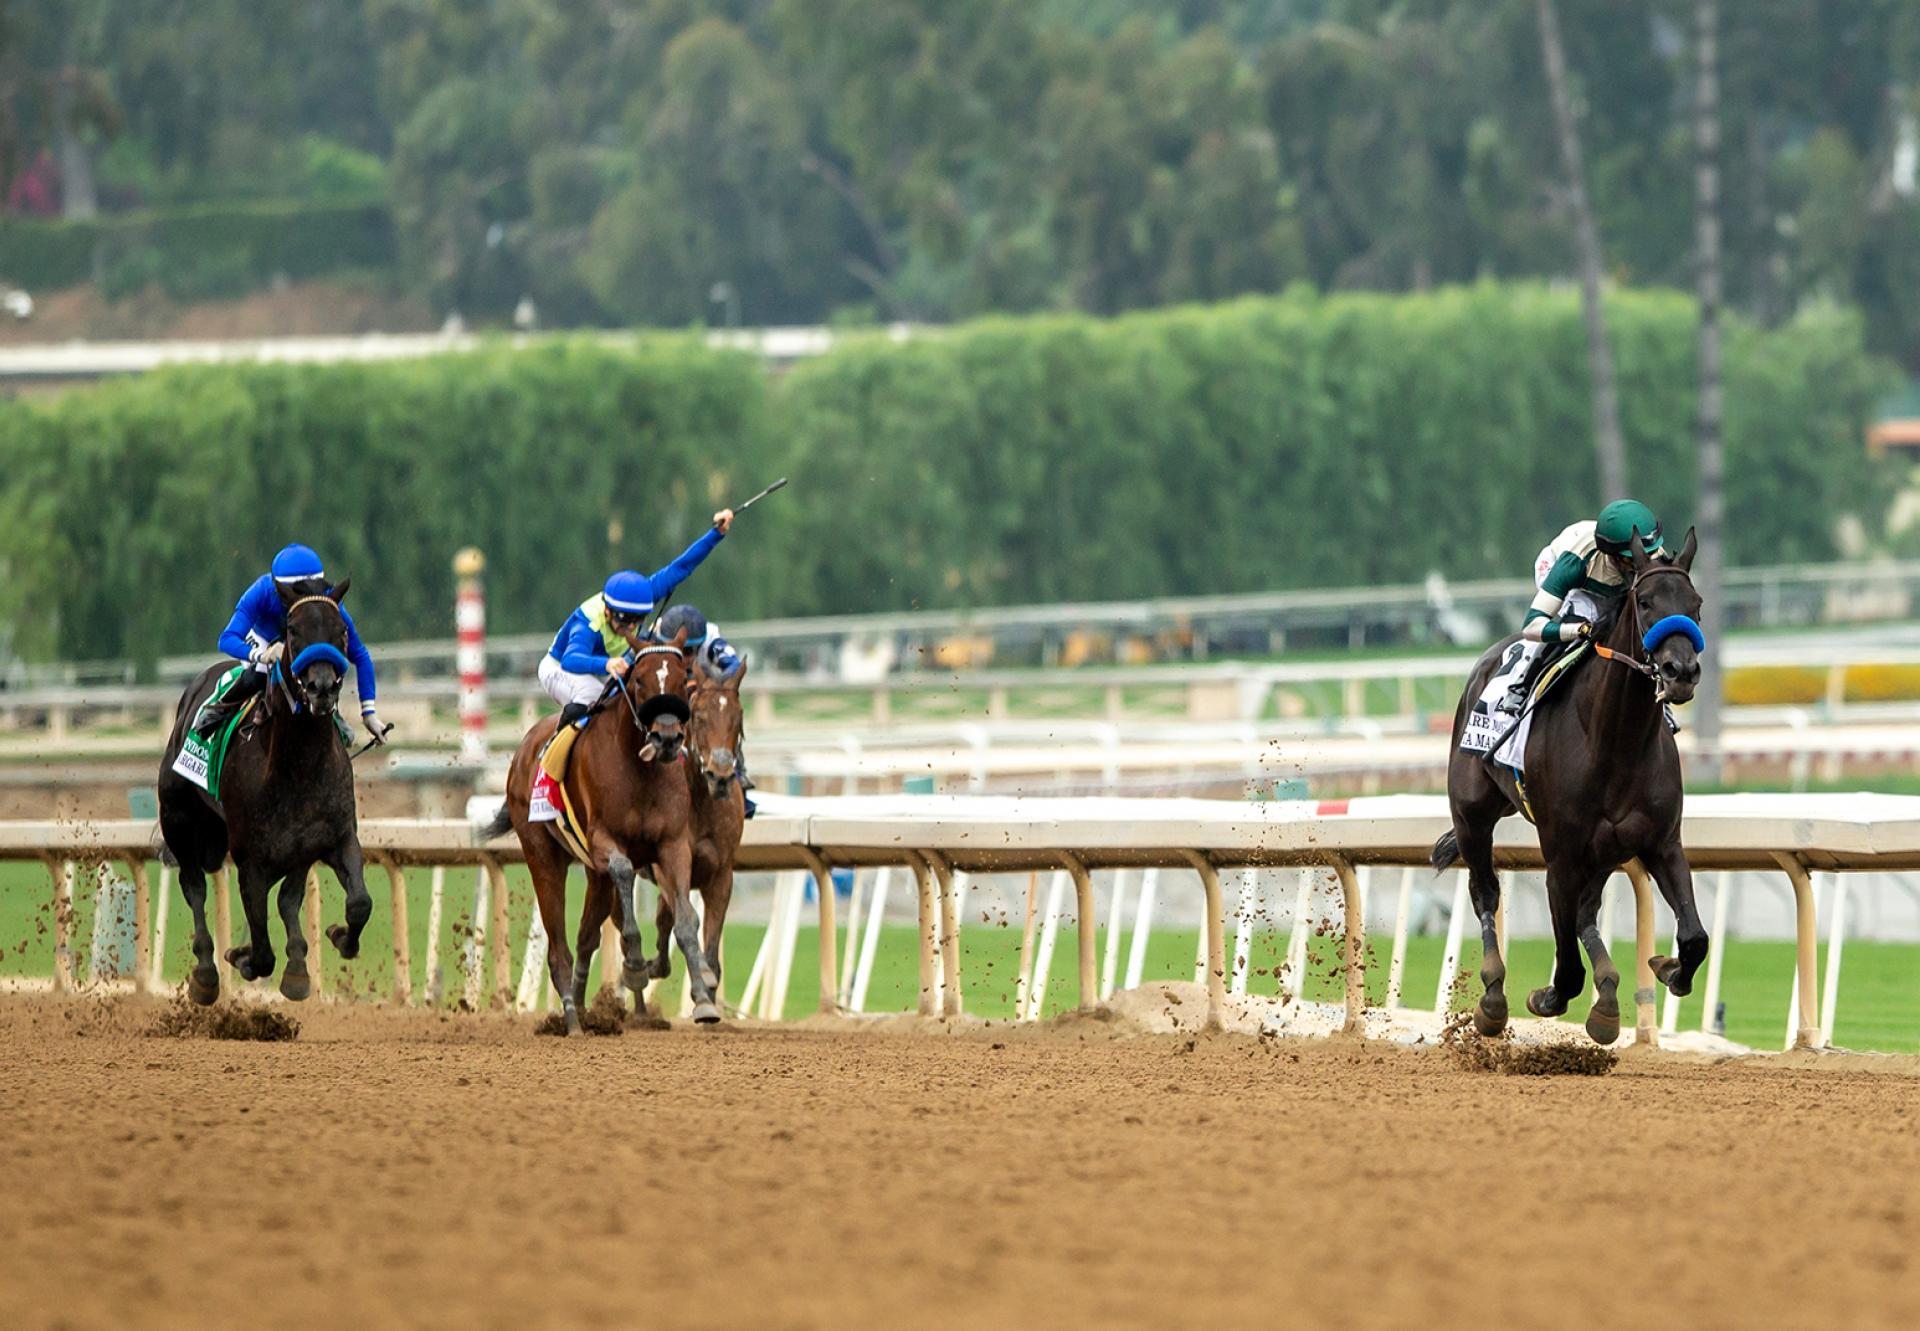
625 780
286 801
1603 780
719 812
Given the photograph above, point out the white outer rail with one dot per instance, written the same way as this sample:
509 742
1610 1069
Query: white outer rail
933 836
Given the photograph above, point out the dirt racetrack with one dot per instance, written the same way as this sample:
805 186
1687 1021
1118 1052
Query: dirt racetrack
390 1169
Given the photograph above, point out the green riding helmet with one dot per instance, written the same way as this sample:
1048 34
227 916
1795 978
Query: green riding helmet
1613 533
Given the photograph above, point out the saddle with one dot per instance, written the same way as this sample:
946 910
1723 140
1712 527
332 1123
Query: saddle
1510 750
200 761
549 801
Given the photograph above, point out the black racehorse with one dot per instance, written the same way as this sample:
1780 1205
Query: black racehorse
1602 779
286 800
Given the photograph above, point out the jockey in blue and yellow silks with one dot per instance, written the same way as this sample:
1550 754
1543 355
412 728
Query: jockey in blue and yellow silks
254 636
591 646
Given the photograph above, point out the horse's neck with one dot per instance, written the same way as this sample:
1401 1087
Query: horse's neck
290 735
1624 707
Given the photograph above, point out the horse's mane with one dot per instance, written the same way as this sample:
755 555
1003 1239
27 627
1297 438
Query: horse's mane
1609 607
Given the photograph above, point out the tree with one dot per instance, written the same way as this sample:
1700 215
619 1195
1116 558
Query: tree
1608 447
1710 558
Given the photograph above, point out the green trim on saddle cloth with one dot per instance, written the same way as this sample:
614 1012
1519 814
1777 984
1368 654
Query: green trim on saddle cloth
200 760
1557 669
553 761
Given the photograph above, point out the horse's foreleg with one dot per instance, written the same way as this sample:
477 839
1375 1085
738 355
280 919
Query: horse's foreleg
203 982
254 959
1603 1018
634 972
295 983
1564 896
676 869
717 895
349 868
1670 870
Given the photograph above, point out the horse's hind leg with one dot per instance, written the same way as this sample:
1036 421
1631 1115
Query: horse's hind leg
717 895
1670 870
634 971
1603 1018
1569 974
593 913
254 959
1476 849
550 892
203 982
295 984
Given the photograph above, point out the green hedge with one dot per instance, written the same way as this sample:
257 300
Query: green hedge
1272 443
198 252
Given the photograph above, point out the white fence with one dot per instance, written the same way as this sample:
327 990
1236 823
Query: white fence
937 840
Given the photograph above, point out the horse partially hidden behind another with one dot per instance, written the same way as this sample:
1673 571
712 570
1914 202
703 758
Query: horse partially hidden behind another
1603 780
286 801
718 810
625 781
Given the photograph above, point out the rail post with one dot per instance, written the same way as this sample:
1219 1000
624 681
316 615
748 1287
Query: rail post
1354 955
142 927
497 926
1646 1013
823 880
1808 1035
402 955
61 874
1083 907
470 655
929 917
950 1004
1216 940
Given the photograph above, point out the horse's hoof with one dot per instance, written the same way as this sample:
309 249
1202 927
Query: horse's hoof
1602 1029
573 1023
1490 1018
203 986
296 986
343 942
1669 972
660 968
706 1014
1546 1002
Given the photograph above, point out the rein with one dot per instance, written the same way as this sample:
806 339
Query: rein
1632 662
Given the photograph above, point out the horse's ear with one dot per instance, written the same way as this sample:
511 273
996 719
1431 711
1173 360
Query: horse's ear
1639 551
1688 548
339 589
287 594
680 638
739 678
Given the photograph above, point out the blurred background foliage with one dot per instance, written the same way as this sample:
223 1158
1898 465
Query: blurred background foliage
1268 442
666 162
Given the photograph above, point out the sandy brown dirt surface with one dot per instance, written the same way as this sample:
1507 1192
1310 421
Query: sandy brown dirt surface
407 1170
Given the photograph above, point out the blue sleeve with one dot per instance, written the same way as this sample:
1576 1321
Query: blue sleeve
721 656
581 651
676 573
362 662
258 612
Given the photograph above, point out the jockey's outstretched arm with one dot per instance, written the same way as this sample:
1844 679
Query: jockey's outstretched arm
680 569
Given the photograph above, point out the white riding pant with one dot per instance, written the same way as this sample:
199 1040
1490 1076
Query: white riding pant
563 686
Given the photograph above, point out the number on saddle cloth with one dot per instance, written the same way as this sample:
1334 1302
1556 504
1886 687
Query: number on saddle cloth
1486 723
200 761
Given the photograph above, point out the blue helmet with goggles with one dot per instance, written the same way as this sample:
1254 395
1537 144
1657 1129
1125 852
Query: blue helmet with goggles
297 563
628 593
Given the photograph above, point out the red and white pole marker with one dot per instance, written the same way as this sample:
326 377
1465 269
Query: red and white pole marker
470 623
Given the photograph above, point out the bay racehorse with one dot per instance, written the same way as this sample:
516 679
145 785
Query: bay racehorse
286 801
1603 782
625 781
718 811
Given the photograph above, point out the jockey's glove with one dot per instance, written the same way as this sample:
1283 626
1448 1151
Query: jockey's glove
268 654
371 720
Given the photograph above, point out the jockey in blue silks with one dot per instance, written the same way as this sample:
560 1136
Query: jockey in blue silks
254 636
591 646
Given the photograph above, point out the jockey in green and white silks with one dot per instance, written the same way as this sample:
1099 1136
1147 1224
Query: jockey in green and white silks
1585 562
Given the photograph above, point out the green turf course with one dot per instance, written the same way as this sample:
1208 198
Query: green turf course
1879 991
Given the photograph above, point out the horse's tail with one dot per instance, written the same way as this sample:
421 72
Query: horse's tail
502 824
1446 851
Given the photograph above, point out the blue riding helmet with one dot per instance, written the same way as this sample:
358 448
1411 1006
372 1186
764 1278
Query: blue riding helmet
628 593
679 617
295 563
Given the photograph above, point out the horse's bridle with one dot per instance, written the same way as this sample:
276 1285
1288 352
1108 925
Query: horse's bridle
285 677
1646 668
651 649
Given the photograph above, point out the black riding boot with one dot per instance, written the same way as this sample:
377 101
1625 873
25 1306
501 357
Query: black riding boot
574 713
216 714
